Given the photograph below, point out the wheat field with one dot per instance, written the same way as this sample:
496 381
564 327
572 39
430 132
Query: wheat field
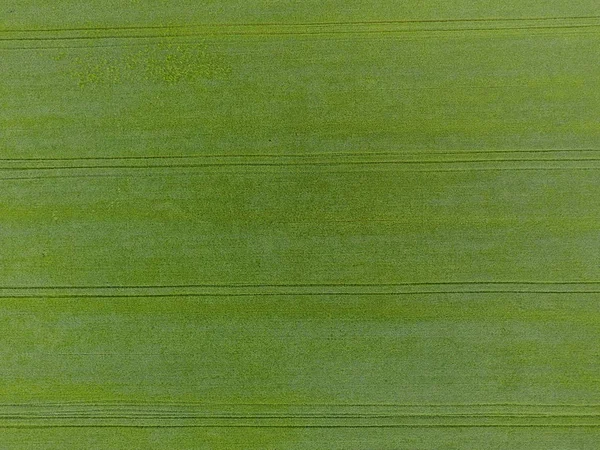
300 225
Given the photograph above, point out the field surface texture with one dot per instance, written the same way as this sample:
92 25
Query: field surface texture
273 225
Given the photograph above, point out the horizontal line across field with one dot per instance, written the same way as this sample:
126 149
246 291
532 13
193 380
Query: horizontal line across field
158 414
576 159
261 290
315 28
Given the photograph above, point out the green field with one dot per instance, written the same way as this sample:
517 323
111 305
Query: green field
319 225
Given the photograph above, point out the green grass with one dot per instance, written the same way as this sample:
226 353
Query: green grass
226 226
